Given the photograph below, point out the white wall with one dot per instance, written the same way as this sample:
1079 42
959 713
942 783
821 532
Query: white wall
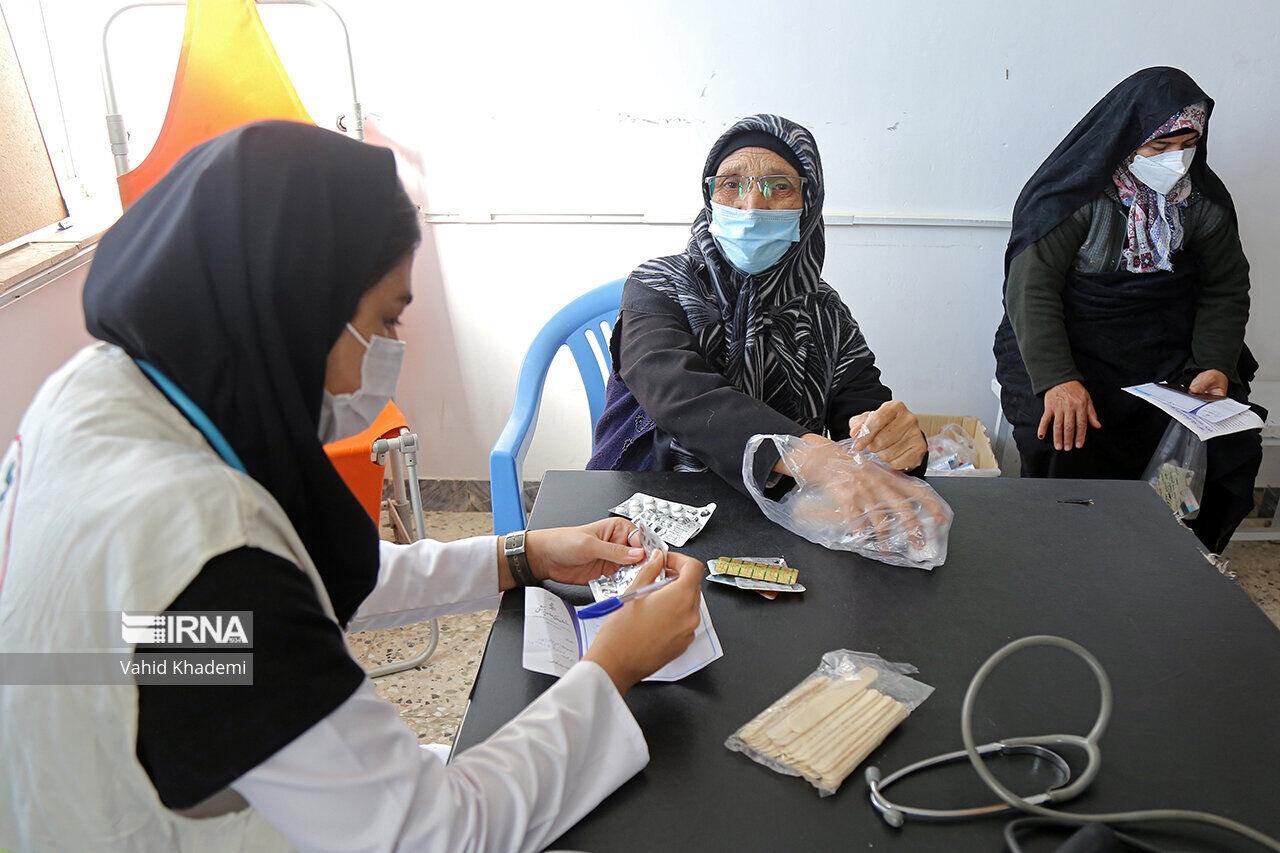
931 110
924 110
37 334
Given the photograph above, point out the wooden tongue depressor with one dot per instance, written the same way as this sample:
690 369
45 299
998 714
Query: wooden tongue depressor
753 731
832 780
823 706
780 726
836 727
780 708
831 738
840 692
857 752
830 702
822 762
834 750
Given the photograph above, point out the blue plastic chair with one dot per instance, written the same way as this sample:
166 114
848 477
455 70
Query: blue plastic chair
587 318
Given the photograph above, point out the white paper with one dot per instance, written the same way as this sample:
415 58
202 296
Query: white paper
1209 410
555 639
1207 419
552 637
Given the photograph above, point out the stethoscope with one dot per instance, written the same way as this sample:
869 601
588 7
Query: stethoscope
1063 788
1060 791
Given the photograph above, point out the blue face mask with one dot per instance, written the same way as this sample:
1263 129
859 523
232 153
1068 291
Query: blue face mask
753 240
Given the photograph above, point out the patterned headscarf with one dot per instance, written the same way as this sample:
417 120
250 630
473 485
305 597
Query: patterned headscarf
782 336
1154 228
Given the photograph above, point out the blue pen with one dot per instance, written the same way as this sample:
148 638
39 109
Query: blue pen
603 608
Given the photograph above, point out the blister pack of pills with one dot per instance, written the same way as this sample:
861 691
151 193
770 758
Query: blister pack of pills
675 523
765 575
607 586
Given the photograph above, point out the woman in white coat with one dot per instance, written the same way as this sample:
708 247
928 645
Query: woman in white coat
247 308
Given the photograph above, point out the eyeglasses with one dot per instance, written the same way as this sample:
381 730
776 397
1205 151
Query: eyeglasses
726 188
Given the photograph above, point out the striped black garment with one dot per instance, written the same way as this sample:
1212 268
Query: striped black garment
782 336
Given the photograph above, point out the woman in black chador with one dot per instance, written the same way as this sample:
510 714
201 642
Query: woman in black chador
1124 266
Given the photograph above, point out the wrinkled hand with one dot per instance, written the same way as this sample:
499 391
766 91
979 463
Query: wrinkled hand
1212 382
875 499
891 432
646 634
579 554
1069 408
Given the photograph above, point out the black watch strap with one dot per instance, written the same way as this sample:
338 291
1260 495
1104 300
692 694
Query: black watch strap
517 560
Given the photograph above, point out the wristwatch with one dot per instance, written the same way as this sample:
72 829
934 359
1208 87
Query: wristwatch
517 560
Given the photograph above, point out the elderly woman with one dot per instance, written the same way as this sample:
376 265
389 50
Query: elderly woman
1124 266
739 334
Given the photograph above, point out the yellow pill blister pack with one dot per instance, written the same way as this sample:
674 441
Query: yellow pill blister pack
750 573
772 571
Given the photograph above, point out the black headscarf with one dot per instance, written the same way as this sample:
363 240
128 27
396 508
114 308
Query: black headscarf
740 136
1081 166
234 276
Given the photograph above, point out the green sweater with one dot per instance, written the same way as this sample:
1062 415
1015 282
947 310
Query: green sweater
1091 241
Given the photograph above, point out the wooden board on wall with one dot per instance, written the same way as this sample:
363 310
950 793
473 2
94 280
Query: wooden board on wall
28 186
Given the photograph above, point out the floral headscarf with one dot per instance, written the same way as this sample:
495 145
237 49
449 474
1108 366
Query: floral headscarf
1154 228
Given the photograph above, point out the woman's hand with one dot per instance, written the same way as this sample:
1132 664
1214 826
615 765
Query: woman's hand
1069 408
1212 382
580 554
872 497
646 634
891 432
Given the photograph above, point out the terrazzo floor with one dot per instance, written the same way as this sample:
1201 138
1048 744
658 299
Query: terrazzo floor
432 699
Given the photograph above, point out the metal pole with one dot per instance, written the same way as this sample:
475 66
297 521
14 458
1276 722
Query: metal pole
409 446
405 448
356 126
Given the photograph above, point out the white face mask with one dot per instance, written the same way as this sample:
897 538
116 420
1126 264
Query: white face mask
342 415
1163 171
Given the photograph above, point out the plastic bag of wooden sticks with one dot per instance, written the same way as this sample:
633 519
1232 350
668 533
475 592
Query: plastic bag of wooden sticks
830 722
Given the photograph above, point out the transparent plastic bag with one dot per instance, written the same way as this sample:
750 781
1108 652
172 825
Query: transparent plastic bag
952 449
851 501
1177 469
829 723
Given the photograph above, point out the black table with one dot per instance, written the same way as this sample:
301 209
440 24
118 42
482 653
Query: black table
1194 663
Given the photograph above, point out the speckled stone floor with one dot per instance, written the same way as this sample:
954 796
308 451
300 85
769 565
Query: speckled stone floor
433 698
1257 568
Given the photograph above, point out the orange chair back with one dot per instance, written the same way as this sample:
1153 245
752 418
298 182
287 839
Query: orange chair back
228 74
350 456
